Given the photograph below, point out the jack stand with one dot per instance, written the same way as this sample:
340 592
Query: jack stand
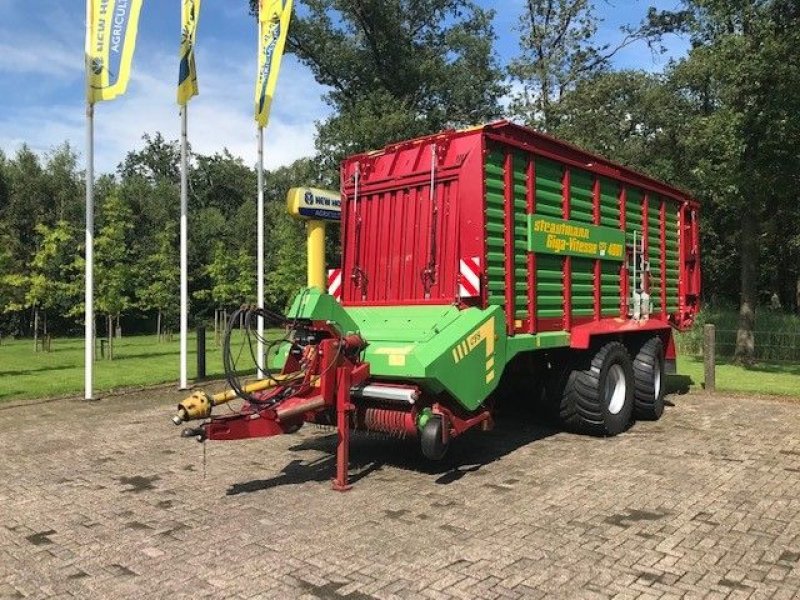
343 408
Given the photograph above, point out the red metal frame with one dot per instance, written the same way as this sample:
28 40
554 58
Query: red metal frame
581 335
510 253
530 197
624 282
566 191
663 255
598 278
646 241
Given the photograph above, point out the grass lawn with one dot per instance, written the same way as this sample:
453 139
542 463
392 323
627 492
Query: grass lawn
138 361
141 360
763 378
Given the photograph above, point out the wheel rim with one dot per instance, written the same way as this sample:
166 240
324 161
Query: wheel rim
616 388
657 380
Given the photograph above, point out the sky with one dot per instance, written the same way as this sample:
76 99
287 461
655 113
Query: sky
42 93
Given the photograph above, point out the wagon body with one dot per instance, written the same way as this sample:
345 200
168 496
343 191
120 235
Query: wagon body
501 215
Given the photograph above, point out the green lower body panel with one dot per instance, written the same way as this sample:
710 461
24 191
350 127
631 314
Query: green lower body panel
440 348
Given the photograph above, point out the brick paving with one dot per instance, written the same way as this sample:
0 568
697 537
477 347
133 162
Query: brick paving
104 500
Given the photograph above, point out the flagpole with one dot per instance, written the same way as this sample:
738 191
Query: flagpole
184 384
260 251
89 283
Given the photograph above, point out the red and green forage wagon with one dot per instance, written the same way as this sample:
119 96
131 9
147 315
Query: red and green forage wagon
471 258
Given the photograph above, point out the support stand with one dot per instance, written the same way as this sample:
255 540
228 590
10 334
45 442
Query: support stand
343 408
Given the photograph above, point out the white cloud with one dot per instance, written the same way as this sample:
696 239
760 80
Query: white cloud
220 117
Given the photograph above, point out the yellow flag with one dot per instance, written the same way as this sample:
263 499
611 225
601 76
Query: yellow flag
187 73
111 27
273 25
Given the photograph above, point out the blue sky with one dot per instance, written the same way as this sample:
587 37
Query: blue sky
41 78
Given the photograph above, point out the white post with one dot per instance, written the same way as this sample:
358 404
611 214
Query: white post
89 284
260 251
184 384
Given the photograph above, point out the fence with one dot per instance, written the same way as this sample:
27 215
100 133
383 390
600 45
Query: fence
770 345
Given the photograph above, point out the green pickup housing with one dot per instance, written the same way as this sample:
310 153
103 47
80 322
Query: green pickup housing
440 348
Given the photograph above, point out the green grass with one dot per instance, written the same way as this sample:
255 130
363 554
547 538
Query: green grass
142 360
777 334
777 338
138 361
764 378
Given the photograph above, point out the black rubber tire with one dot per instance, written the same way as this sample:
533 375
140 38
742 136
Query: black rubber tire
585 401
433 447
648 374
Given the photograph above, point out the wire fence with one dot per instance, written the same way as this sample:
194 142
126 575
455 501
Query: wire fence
770 345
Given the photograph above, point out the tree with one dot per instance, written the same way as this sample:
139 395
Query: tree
222 181
287 263
44 284
744 73
232 277
159 278
397 68
113 267
13 281
159 159
559 50
63 184
49 276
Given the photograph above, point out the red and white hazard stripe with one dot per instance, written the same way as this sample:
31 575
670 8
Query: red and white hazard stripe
469 280
335 283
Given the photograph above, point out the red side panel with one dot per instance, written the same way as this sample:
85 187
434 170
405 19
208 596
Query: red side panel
401 243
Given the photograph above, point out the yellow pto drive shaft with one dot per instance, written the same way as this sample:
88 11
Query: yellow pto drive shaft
199 404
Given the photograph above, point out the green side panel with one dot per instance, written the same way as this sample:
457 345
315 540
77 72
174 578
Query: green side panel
494 178
441 348
672 250
654 251
549 286
548 187
581 206
520 236
633 215
582 287
609 203
549 268
312 304
610 289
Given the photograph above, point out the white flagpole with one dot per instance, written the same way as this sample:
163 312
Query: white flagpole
184 384
89 283
260 251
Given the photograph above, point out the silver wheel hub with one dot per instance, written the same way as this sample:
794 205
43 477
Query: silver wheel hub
616 389
657 380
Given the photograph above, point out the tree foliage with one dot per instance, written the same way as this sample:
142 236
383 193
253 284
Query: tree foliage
396 68
559 51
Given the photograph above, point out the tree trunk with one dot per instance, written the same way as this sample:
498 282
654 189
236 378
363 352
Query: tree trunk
216 325
745 336
118 329
35 328
158 327
797 295
110 334
45 334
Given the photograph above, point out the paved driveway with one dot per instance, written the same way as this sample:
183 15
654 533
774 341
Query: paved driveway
104 500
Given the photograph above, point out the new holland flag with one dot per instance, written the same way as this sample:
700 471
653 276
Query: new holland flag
273 25
110 41
187 73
